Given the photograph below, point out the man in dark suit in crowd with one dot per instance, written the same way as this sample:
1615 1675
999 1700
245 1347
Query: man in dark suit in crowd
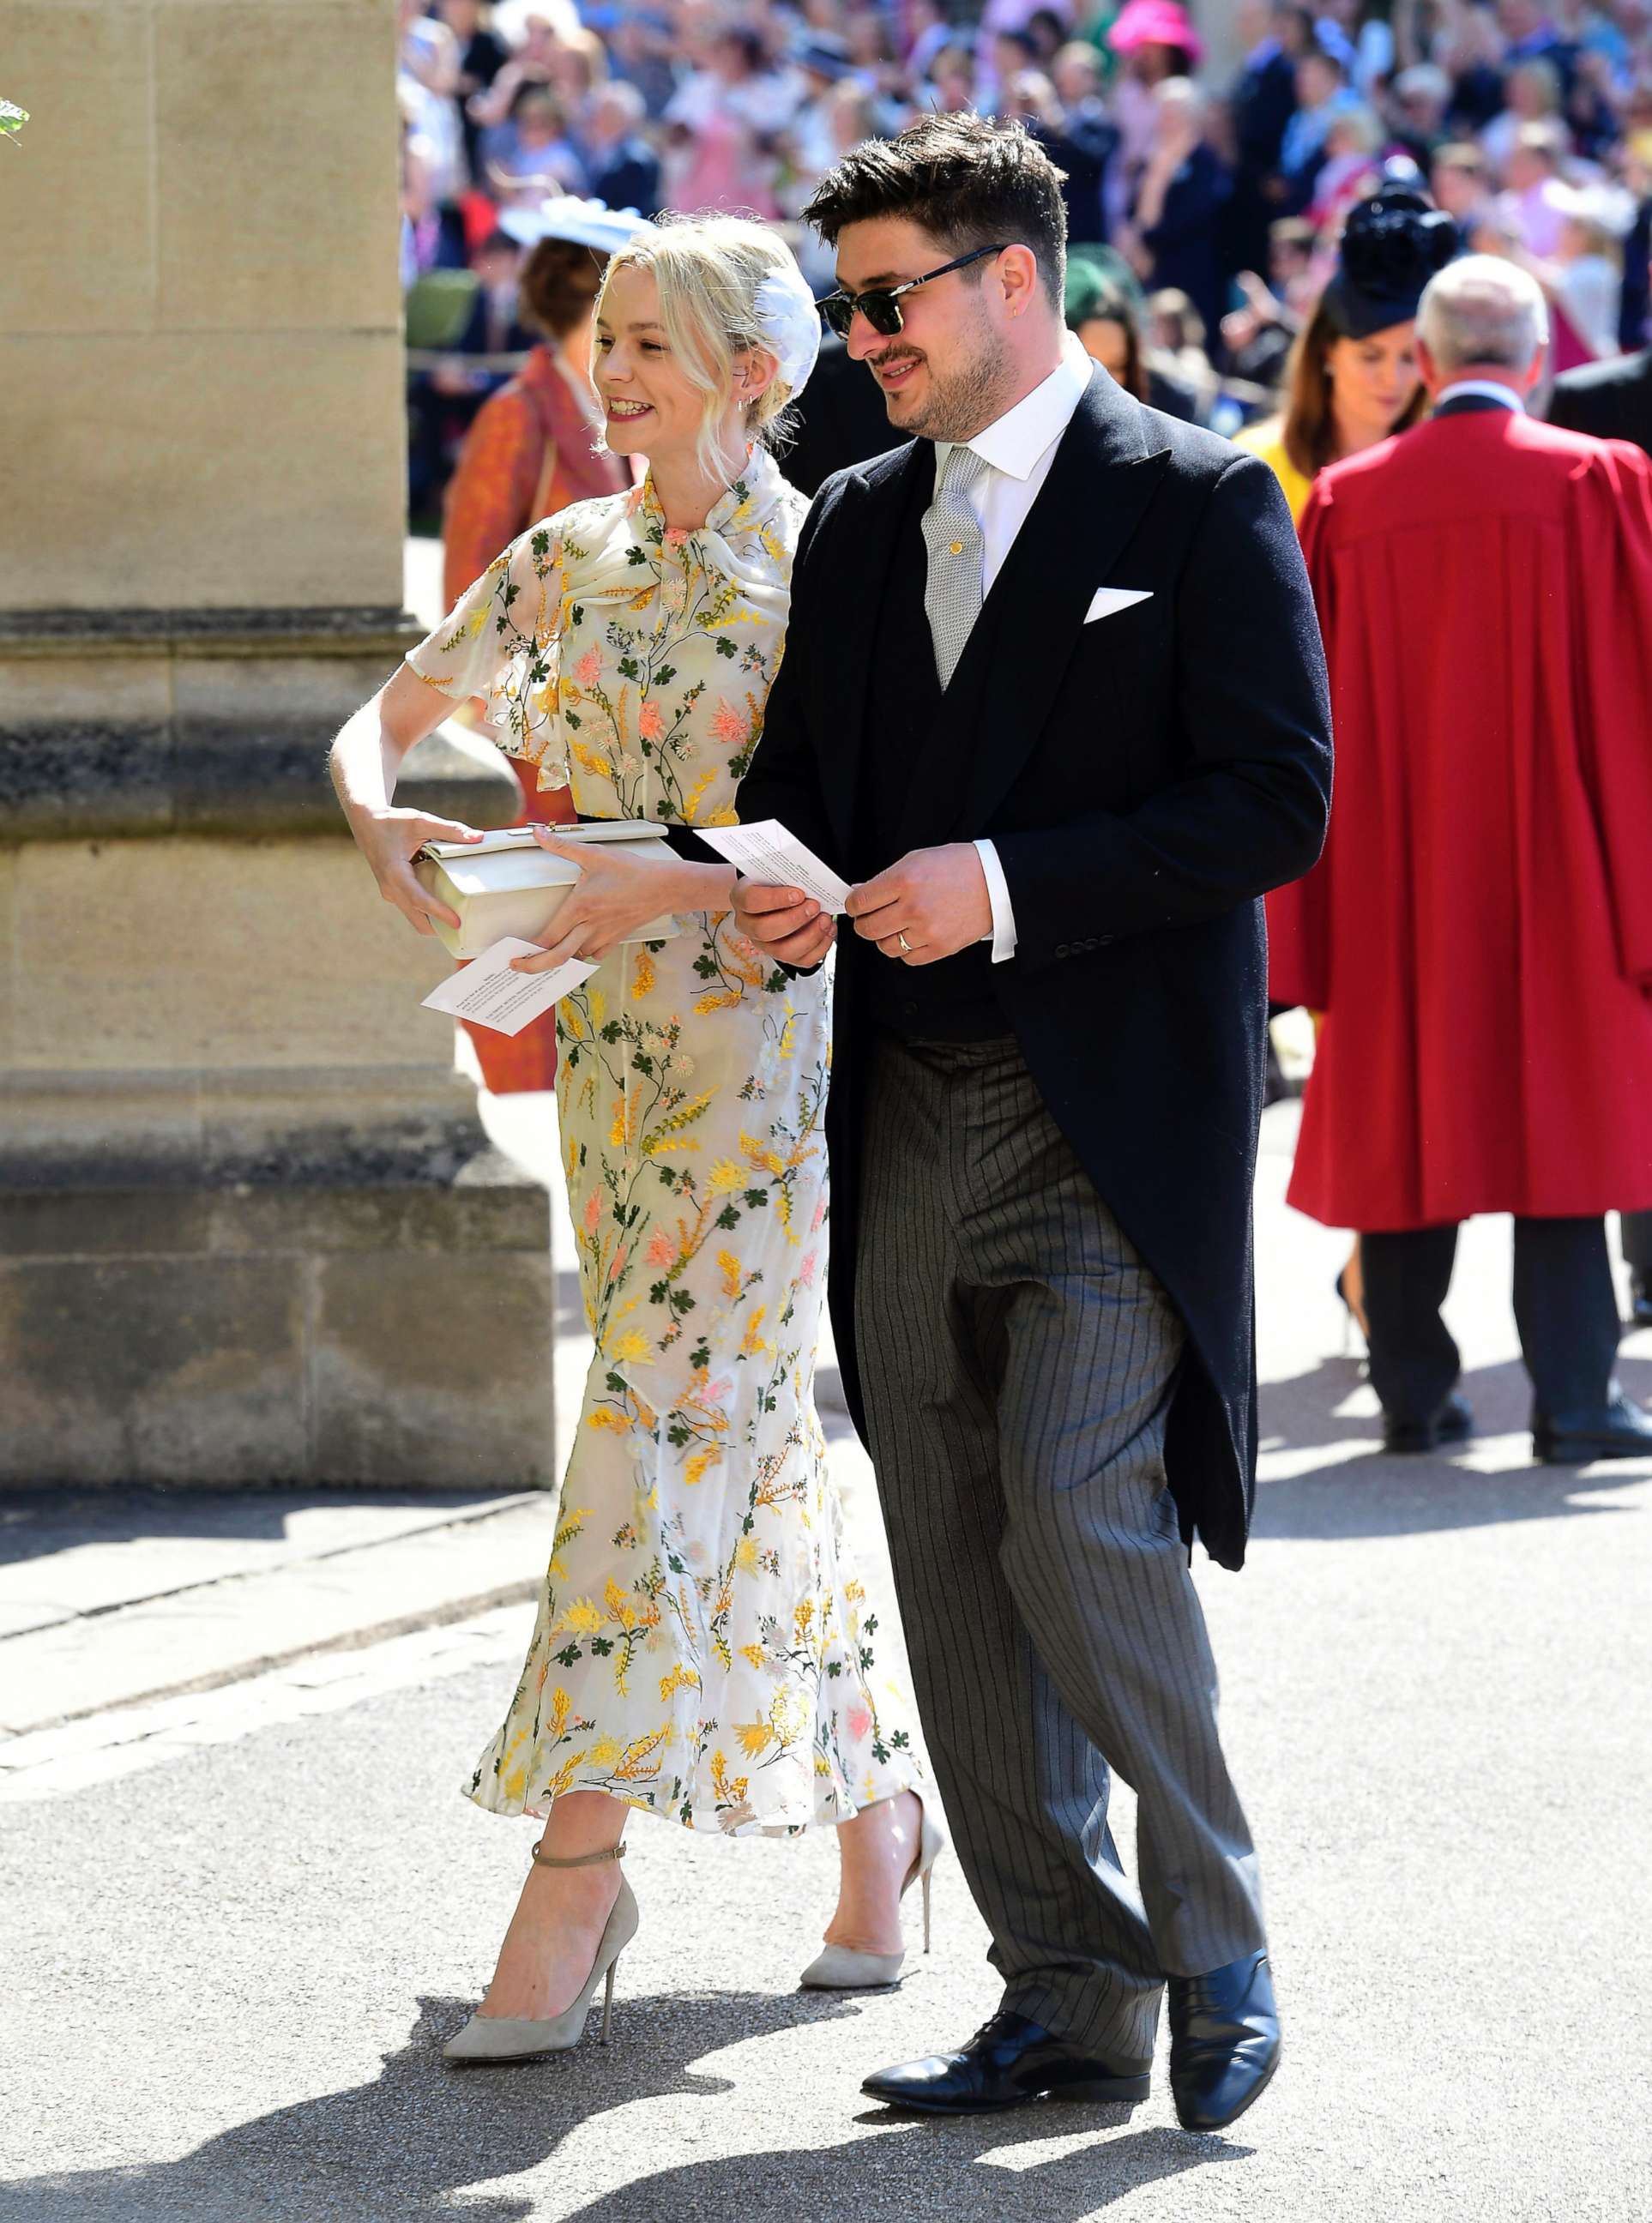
1634 308
1262 102
1609 400
1053 699
840 419
1612 400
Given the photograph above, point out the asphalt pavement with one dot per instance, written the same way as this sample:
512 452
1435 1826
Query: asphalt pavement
230 1962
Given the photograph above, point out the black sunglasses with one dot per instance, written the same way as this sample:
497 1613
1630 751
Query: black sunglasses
881 306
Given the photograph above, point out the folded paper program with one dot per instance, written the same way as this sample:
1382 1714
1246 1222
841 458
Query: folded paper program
488 994
765 851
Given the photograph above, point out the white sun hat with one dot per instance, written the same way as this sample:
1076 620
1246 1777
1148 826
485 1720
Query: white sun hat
564 215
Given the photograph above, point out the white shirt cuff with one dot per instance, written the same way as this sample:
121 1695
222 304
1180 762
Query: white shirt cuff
998 894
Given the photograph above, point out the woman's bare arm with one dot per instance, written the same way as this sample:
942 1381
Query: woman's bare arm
365 762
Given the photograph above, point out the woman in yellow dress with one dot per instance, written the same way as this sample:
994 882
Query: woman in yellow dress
703 1651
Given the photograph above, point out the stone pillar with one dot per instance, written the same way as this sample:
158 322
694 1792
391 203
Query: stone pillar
251 1229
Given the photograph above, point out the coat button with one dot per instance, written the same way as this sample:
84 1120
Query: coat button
1062 950
1104 941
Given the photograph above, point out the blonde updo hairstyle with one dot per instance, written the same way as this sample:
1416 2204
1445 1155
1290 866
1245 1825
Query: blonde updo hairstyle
708 270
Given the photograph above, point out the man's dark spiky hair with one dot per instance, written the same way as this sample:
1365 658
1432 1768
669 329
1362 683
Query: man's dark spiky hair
967 181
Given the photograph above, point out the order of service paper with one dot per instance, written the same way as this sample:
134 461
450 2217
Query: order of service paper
490 994
765 851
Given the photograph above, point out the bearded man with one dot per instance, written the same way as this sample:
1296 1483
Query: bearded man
1053 699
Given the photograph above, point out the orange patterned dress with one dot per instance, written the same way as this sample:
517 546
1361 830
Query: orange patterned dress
530 453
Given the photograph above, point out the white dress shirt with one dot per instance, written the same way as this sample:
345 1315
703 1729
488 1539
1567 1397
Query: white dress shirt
1018 448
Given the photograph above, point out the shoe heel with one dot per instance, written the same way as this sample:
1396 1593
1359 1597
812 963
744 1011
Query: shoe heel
1117 2091
608 1999
926 1909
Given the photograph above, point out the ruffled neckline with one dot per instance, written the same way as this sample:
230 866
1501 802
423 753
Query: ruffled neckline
740 513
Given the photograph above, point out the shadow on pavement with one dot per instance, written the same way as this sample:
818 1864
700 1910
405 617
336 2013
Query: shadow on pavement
37 1523
1378 1494
408 2146
402 2146
943 2168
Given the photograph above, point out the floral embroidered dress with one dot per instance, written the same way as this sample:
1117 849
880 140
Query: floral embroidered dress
702 1650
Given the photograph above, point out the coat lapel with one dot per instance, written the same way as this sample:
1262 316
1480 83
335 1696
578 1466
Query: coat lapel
1102 478
870 529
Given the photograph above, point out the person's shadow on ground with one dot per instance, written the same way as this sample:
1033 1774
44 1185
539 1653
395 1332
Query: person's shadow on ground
1376 1494
941 2167
408 2146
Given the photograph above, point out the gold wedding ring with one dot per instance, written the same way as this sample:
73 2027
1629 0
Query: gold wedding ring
905 946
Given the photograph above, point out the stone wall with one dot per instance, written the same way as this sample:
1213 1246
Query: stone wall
250 1228
200 341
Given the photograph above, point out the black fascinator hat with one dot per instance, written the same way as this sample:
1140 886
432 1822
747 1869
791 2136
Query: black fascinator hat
1392 245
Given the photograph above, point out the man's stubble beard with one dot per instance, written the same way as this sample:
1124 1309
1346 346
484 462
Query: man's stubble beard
963 402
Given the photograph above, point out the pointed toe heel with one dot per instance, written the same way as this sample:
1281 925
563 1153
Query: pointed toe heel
496 2041
840 1968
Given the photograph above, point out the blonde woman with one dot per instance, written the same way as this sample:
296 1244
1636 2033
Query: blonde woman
702 1651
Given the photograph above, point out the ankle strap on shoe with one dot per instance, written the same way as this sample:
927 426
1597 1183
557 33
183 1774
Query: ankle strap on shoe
581 1860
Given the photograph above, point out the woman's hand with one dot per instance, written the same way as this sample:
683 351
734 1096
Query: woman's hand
615 894
389 840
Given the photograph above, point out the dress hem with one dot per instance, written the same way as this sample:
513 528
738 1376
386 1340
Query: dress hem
717 1825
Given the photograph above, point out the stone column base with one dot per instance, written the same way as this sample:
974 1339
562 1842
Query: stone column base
392 1331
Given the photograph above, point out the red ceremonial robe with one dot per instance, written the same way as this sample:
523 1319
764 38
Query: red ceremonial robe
1478 932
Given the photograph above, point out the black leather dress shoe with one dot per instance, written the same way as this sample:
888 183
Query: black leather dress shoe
1617 1429
1224 2042
1008 2061
1453 1424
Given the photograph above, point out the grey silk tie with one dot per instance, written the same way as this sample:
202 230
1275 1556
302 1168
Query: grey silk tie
952 534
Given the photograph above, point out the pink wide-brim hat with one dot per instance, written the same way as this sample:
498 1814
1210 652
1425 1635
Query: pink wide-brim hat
1154 23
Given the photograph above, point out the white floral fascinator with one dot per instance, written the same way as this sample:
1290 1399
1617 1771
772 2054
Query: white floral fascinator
788 324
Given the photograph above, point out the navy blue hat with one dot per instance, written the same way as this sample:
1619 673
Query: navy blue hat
824 54
1392 244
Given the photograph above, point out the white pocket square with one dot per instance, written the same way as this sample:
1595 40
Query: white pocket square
1107 599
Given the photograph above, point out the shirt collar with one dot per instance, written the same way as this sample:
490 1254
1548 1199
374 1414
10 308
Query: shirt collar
1487 389
1015 442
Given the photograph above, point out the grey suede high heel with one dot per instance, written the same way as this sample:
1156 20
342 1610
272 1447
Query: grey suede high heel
840 1967
489 2041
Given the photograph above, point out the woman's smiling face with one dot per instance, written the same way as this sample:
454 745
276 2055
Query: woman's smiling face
649 405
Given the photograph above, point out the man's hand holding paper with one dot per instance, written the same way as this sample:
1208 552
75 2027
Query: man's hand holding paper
785 924
785 896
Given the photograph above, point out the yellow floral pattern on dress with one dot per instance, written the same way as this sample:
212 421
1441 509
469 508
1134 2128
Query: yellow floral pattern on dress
702 1649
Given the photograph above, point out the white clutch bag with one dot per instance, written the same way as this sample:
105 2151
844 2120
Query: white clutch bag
507 885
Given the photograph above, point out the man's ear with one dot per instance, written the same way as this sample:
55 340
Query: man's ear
1017 275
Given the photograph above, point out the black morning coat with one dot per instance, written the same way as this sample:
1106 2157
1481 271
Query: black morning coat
1145 778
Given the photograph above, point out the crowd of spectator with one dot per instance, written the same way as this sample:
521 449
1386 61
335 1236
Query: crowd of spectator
1205 205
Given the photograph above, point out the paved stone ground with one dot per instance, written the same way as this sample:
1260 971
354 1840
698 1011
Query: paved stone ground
228 1969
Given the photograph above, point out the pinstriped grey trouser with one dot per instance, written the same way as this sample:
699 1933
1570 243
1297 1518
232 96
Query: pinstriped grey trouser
1018 1359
